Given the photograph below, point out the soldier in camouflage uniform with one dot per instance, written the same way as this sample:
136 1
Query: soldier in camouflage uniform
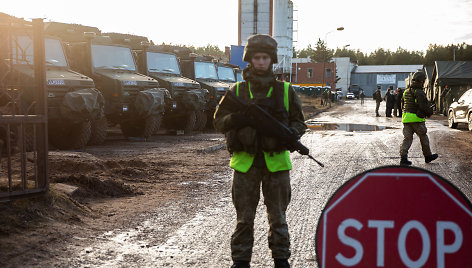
415 109
260 160
377 96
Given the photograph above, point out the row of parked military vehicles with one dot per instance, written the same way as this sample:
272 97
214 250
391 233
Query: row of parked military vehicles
96 80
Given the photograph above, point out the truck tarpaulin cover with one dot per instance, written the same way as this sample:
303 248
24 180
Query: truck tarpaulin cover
82 104
453 73
150 102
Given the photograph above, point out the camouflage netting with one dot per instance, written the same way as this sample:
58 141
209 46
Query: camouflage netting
82 104
151 101
194 99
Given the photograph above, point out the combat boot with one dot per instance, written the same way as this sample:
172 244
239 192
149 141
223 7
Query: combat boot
241 264
430 158
405 162
281 263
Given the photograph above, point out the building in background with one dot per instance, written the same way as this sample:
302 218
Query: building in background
344 68
369 76
272 17
308 73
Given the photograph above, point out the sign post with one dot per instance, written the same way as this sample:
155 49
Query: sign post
395 217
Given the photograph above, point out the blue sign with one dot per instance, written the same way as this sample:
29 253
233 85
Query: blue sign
237 56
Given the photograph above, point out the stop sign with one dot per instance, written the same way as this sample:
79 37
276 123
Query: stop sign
395 217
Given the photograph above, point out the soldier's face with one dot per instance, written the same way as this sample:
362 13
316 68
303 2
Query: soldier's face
261 61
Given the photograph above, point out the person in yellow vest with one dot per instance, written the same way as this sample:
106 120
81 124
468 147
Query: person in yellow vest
260 160
415 108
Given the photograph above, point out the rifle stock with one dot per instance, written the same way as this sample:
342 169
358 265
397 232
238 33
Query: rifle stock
266 124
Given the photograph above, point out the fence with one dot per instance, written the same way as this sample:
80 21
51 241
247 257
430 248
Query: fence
23 110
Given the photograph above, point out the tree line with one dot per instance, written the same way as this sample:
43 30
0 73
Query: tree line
320 52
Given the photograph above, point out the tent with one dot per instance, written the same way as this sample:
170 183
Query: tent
455 74
428 87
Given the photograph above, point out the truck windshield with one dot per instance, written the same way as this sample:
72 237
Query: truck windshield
112 57
23 52
226 74
162 63
205 70
55 53
239 76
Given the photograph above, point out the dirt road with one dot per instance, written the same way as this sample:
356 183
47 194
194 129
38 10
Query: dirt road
194 231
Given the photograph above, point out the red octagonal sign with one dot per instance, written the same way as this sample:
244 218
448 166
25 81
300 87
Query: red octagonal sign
395 217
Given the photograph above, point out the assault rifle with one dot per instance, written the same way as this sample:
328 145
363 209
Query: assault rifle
266 124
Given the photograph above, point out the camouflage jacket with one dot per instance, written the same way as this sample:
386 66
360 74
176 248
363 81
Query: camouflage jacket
246 138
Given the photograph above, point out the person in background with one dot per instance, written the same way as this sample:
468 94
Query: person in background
377 96
444 102
390 99
397 109
362 96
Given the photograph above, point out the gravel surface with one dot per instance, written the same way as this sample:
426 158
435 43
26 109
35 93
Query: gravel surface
196 231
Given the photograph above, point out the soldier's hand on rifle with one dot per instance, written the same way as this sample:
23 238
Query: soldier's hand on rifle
239 120
295 132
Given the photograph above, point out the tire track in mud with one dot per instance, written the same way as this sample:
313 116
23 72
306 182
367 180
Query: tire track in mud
203 240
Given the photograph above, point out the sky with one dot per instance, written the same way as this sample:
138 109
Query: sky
368 24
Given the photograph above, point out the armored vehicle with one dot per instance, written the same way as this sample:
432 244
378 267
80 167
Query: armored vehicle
226 73
203 70
187 109
132 100
74 104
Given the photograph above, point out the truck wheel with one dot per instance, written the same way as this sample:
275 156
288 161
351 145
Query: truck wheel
209 122
130 129
158 123
450 120
151 124
99 131
189 122
70 136
201 120
470 122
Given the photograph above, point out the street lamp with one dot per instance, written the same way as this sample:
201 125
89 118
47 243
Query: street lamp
324 60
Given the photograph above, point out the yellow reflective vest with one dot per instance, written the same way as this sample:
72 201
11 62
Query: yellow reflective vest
242 161
411 117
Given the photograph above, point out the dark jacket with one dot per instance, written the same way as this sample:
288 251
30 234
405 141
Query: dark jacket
398 98
420 107
246 138
390 99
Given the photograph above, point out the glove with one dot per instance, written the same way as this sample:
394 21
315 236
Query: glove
239 120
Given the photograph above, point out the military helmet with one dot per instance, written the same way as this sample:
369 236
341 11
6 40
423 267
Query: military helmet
419 76
260 43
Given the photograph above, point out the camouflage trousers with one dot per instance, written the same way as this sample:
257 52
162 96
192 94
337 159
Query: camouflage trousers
246 194
408 130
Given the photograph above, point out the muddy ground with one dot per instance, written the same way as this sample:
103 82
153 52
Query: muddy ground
152 196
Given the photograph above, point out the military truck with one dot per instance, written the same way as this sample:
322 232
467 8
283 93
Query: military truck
187 109
203 70
74 104
132 100
354 89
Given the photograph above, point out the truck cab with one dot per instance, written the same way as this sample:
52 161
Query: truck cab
132 100
73 101
203 70
189 100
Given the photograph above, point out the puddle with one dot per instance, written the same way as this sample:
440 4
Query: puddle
314 125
